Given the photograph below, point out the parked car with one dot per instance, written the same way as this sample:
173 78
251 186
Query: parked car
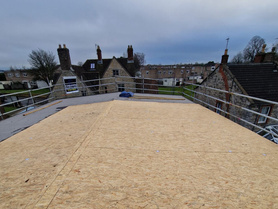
272 135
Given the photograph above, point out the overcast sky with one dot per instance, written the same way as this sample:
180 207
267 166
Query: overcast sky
167 32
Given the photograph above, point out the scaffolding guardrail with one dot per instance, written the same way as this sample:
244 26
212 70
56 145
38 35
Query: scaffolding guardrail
189 91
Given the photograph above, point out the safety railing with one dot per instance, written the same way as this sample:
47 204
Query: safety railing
23 100
230 108
247 111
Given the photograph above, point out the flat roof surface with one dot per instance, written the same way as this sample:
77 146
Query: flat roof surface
132 154
19 122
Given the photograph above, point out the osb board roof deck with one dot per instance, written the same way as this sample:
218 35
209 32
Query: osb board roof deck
127 154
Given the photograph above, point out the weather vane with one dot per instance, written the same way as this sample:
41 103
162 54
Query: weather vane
227 42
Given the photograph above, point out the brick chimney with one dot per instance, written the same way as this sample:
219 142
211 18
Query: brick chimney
270 56
130 54
225 57
99 56
260 56
64 57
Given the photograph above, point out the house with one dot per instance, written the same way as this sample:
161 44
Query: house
114 74
24 77
94 76
181 72
68 83
258 79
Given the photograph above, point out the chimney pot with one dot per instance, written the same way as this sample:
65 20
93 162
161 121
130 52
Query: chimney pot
64 45
60 46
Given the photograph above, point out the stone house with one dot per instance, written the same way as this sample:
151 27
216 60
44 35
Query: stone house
114 74
67 82
258 79
94 76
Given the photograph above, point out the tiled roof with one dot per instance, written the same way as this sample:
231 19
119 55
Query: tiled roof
100 68
257 79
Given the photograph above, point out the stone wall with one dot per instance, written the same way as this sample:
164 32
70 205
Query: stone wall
215 80
59 89
116 80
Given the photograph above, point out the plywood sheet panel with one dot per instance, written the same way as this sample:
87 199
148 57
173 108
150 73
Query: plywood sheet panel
127 154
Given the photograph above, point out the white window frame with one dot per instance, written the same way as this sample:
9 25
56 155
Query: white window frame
265 110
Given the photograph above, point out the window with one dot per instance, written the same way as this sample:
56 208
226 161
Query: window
70 84
187 71
92 65
170 72
17 75
115 73
121 87
147 72
159 72
25 74
264 110
10 75
219 106
181 71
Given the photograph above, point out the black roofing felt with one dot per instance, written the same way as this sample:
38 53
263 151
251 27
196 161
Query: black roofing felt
258 79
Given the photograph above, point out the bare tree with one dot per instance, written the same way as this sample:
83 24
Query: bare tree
139 60
238 58
43 65
253 47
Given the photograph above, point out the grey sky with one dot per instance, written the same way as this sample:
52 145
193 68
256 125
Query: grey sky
168 32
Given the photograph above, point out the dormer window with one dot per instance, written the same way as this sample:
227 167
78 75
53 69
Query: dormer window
92 65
